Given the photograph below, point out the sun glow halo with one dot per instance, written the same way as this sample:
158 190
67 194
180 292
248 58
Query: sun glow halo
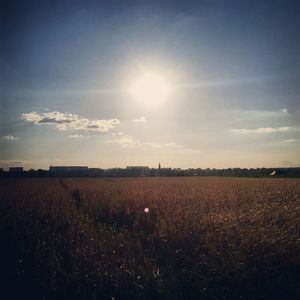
151 89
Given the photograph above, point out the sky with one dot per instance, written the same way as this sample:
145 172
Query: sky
224 90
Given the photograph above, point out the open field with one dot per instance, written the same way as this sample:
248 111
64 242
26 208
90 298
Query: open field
202 238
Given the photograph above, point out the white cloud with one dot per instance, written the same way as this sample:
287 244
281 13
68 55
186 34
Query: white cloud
10 138
261 130
140 120
69 121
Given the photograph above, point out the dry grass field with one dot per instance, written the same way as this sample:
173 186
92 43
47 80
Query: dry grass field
199 238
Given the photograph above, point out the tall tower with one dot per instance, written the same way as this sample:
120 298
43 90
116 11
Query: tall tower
159 166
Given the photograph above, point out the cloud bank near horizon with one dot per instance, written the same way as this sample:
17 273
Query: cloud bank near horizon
131 142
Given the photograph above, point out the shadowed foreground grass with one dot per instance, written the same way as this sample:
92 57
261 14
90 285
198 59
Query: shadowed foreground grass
203 238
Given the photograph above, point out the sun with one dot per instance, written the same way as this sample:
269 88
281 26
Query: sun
151 89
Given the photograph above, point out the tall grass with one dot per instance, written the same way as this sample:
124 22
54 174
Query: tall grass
202 238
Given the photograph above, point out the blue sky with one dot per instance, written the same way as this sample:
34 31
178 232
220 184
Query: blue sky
232 68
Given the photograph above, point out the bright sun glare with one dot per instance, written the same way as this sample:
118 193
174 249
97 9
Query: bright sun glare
151 89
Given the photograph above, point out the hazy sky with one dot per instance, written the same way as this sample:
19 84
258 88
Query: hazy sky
231 68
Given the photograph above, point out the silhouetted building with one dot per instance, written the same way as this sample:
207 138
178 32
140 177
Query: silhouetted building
70 170
95 171
16 169
137 170
67 168
159 166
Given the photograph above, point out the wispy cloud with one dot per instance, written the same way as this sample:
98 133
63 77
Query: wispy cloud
288 163
13 163
130 142
140 120
76 136
248 115
261 113
233 81
262 130
290 141
10 138
117 133
173 145
68 121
